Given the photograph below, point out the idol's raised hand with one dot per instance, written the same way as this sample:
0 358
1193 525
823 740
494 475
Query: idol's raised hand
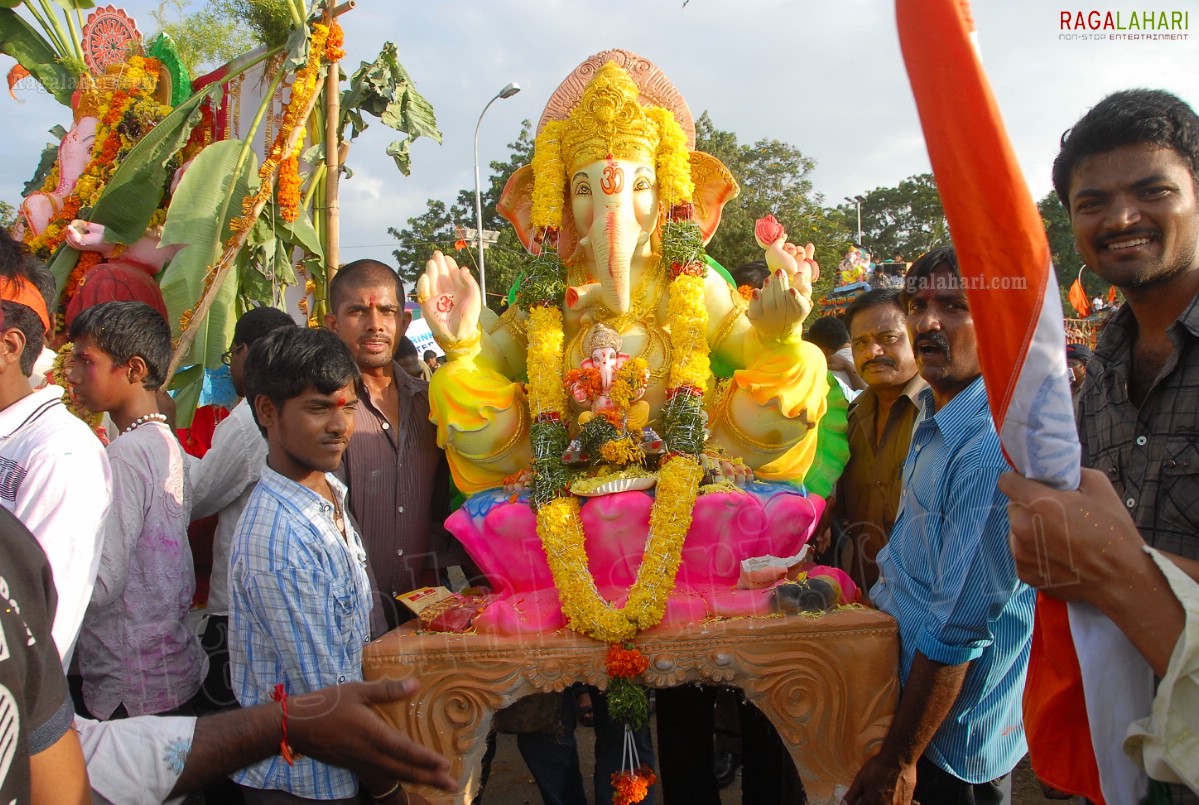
450 300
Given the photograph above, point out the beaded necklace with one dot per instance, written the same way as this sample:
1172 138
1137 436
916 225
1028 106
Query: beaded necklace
142 420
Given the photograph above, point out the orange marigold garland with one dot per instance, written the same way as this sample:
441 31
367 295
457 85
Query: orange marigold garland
333 46
304 84
628 703
632 786
289 188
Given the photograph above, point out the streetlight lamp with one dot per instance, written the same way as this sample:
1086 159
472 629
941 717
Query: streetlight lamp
506 92
857 201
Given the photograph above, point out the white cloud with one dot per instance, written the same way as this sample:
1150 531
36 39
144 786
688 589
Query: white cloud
826 77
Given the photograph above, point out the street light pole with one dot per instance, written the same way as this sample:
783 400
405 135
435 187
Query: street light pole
506 92
857 201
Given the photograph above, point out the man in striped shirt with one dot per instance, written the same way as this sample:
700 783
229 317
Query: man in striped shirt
299 598
947 576
398 477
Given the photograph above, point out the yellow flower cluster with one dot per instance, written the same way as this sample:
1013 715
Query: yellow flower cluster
546 394
125 95
621 452
674 164
629 383
688 332
549 176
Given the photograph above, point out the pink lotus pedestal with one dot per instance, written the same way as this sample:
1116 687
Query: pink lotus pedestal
828 684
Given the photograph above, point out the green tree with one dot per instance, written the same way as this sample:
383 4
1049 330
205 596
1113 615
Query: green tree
8 214
207 37
907 219
440 227
434 229
1067 262
773 177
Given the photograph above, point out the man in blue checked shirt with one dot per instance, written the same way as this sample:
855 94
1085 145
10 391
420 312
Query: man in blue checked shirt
947 576
300 598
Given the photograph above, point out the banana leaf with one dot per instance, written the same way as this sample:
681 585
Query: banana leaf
195 219
185 391
135 190
384 89
72 5
21 41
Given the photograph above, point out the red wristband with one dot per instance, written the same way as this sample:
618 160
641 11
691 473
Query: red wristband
290 755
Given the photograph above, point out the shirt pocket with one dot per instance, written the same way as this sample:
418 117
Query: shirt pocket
1178 490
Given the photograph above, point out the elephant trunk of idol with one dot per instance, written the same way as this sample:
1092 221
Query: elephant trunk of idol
614 238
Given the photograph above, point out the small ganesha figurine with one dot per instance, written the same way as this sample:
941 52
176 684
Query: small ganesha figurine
612 384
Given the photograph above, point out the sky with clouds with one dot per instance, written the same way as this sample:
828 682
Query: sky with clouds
826 77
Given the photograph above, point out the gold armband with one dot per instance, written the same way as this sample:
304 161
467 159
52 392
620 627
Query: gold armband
466 348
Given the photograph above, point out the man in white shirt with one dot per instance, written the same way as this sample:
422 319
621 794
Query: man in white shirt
54 474
221 484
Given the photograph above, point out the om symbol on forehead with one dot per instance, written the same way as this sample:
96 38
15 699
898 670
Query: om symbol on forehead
612 181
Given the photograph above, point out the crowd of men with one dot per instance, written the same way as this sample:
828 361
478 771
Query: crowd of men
331 493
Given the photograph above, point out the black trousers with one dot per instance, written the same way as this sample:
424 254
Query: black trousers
935 786
685 752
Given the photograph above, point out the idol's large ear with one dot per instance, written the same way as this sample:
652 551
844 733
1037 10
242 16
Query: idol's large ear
516 204
714 187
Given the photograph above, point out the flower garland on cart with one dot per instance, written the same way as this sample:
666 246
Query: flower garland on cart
559 526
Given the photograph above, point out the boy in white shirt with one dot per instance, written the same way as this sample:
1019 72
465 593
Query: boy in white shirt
137 653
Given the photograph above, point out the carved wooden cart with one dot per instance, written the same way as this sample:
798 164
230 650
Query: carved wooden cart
829 684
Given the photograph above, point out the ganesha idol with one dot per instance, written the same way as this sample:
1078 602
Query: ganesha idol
109 112
666 425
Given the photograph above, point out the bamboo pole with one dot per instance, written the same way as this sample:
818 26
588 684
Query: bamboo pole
297 18
333 174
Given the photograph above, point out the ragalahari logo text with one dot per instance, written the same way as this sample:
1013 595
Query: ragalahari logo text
1124 25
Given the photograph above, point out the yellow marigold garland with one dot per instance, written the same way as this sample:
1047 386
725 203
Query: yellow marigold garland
688 332
549 176
559 526
674 164
545 360
630 381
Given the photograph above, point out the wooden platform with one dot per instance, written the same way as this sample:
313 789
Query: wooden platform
829 684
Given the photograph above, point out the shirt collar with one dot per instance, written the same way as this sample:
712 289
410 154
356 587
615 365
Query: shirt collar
302 496
958 419
867 401
1119 332
407 385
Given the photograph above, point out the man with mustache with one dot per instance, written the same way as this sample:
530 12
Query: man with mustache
947 576
880 429
398 478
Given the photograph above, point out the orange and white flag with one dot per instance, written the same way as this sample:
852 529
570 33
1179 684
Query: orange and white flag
1086 683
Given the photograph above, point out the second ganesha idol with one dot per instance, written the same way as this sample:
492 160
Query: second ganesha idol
615 480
